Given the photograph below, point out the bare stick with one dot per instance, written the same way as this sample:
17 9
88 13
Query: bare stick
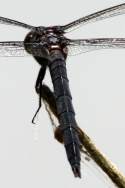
113 173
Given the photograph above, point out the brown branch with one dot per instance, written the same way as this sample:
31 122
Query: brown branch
113 173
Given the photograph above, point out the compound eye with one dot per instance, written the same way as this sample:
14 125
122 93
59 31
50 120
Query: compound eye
30 35
28 42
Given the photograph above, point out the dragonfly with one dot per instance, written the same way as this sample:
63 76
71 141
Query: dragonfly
50 47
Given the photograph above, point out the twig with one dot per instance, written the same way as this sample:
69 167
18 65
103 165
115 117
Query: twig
113 173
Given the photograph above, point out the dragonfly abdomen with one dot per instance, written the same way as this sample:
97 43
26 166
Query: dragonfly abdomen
65 111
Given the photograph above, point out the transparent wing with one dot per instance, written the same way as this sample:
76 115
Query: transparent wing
85 45
12 49
17 49
15 23
106 13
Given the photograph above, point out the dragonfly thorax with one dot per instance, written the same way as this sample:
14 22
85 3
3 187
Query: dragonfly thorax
41 42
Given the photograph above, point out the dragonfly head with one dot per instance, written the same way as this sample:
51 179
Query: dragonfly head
42 40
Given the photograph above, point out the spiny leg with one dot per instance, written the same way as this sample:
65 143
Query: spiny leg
38 88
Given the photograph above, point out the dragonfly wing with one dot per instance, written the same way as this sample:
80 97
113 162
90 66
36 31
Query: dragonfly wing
85 45
106 13
12 49
16 48
14 22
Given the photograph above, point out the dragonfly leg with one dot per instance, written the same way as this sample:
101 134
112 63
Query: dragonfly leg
38 88
40 78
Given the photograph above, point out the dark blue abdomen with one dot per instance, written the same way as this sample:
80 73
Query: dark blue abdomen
65 110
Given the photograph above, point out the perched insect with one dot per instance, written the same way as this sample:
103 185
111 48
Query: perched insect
50 47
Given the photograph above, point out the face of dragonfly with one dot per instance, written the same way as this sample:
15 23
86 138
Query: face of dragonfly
41 41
